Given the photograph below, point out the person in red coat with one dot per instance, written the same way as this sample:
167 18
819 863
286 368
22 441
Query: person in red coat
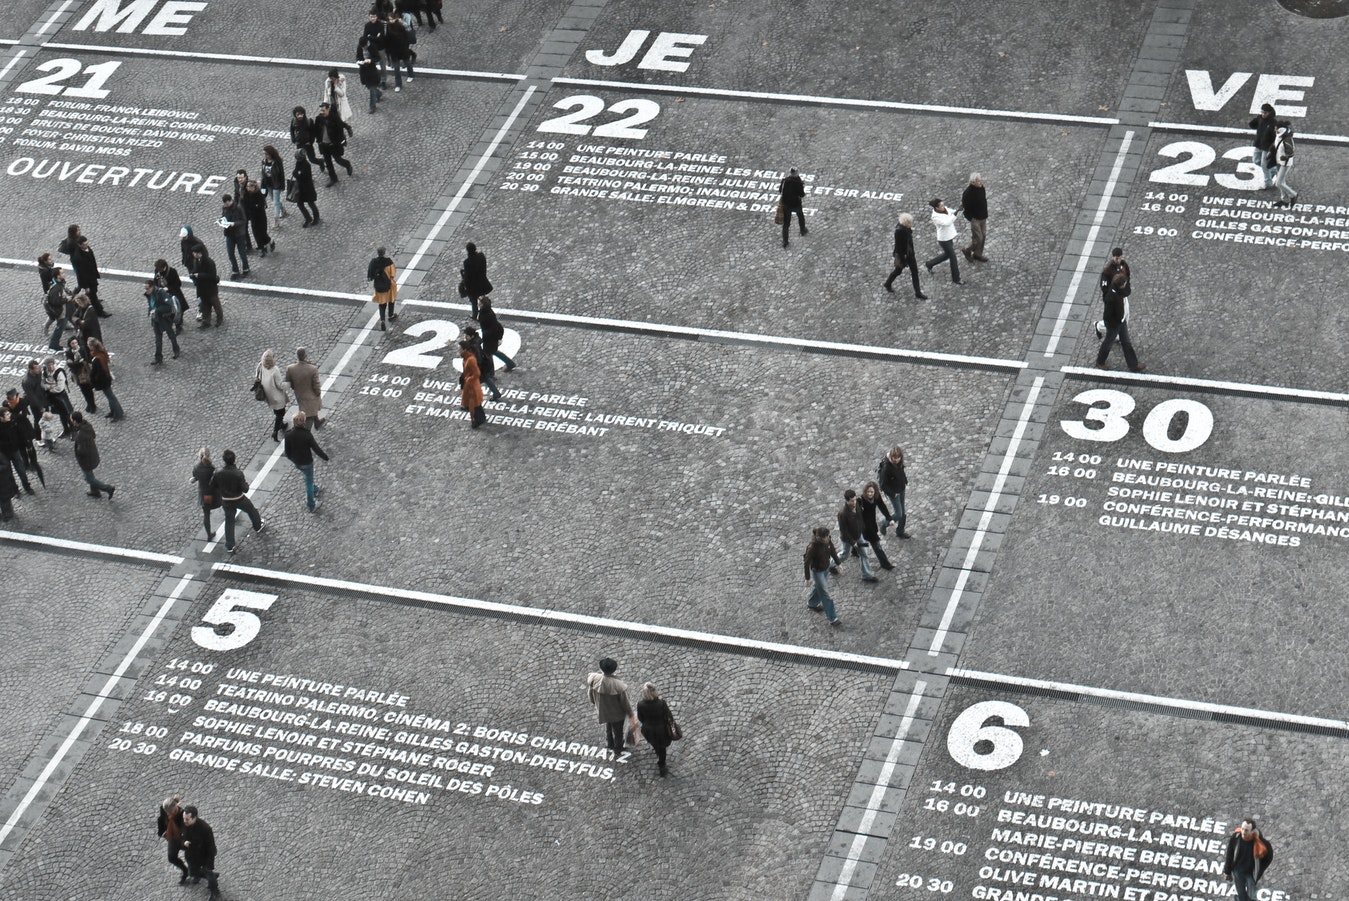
470 394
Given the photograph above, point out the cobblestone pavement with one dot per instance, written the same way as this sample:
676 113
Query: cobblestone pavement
1112 634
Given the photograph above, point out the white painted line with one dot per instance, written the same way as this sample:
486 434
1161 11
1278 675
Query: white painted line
10 65
638 631
1245 133
54 16
656 329
85 547
1212 384
1089 248
472 177
877 796
1158 700
990 506
270 60
838 101
36 788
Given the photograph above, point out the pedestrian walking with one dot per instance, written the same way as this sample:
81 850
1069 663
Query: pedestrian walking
905 256
77 361
974 204
207 279
1280 157
54 292
255 211
8 491
945 223
492 332
34 393
300 448
87 325
470 392
273 382
274 181
658 724
46 267
335 98
56 385
87 276
231 486
870 503
821 558
367 63
199 845
303 379
435 12
1117 323
61 309
850 533
303 133
399 50
409 13
375 35
301 191
486 365
16 436
170 826
382 273
332 143
167 278
473 282
610 697
1115 265
202 473
100 376
893 481
792 193
1265 133
163 313
1248 857
187 242
86 456
234 225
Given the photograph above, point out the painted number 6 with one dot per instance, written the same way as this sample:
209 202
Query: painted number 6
1114 424
971 731
244 625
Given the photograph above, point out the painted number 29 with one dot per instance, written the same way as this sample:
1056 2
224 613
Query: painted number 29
1198 155
243 626
63 69
588 106
1112 421
443 334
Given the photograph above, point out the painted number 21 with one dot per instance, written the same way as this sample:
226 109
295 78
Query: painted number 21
63 69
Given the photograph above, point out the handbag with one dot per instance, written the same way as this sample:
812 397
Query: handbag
292 190
463 288
259 393
781 213
676 733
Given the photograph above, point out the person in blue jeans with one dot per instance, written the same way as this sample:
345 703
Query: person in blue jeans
821 558
231 486
850 533
891 478
1249 855
300 448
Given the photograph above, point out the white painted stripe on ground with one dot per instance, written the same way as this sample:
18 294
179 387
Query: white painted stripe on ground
87 717
54 16
13 62
472 178
1158 700
990 506
272 60
1089 248
87 548
878 791
635 630
838 101
1247 133
1274 391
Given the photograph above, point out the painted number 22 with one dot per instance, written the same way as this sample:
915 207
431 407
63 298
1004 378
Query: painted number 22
63 69
588 106
1199 155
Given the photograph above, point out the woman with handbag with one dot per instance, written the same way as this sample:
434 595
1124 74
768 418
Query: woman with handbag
270 382
209 500
658 724
100 376
301 190
274 180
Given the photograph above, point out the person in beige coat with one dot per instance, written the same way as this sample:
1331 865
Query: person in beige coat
610 697
303 378
274 387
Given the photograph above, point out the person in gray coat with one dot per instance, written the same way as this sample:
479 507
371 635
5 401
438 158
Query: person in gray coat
610 697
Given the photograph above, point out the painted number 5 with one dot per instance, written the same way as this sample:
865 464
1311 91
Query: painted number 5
244 626
1113 423
974 743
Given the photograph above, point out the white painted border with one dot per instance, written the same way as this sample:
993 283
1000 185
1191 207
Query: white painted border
86 547
1273 391
1244 133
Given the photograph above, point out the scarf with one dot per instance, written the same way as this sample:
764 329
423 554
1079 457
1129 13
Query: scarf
1260 849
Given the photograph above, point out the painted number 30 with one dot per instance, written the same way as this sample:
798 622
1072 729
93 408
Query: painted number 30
1112 423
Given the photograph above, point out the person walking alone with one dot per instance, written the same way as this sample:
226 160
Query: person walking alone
234 225
301 446
473 282
792 193
382 273
332 142
1117 323
207 279
86 456
1249 855
303 378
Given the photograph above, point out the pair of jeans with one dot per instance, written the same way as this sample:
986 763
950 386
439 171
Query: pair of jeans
278 195
1286 192
1112 331
819 594
231 508
861 546
233 242
114 408
95 484
375 95
311 490
162 327
897 514
1245 885
397 66
948 252
1258 157
489 381
55 342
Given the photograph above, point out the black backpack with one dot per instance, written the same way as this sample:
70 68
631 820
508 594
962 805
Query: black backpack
164 307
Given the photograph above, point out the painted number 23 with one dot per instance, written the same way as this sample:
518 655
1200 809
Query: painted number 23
1198 155
588 106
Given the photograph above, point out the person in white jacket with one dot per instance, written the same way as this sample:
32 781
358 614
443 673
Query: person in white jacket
945 222
335 95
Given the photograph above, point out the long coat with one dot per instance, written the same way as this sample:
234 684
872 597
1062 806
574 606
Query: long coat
384 265
86 450
274 386
470 396
304 381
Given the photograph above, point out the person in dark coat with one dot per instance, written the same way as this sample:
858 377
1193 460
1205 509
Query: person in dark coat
473 277
399 50
234 226
255 209
170 826
974 204
86 455
793 193
77 361
231 486
16 436
1266 130
303 133
34 393
820 559
332 142
8 491
492 332
892 481
207 279
163 312
871 503
202 474
187 240
1249 856
658 723
274 180
199 845
87 326
305 192
368 63
70 241
905 256
1117 324
84 263
850 533
301 446
167 278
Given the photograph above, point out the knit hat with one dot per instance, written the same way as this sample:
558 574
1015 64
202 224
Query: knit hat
186 232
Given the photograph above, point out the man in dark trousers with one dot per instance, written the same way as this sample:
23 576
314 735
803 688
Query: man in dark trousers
86 455
610 697
199 848
905 256
231 486
793 191
235 226
850 533
163 313
301 445
473 277
1117 324
1249 855
492 332
84 263
1264 126
332 142
207 279
974 204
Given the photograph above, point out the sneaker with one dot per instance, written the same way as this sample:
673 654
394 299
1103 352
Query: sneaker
836 621
110 491
228 550
315 507
1139 368
262 524
398 90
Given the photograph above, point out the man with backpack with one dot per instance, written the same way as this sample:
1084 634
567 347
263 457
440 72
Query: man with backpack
163 313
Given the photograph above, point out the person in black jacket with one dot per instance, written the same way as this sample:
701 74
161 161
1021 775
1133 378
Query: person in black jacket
974 204
398 49
332 142
167 278
905 256
303 133
199 843
202 473
793 192
1249 855
473 277
1264 126
492 332
16 435
367 62
170 826
821 558
850 533
870 503
892 480
234 225
300 447
305 192
82 260
86 456
375 35
8 491
274 180
207 279
658 723
1117 324
231 486
254 203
